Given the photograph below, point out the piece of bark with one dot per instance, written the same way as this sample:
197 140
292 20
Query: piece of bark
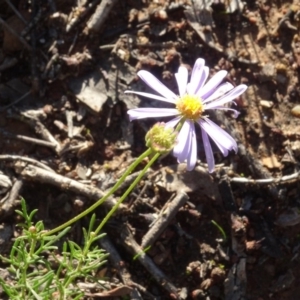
238 235
235 284
227 194
269 243
6 234
200 19
92 98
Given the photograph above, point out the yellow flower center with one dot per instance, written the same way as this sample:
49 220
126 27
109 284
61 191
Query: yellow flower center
190 107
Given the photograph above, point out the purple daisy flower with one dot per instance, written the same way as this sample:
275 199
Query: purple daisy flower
195 98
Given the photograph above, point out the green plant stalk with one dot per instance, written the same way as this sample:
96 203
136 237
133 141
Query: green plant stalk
30 282
109 214
124 196
220 229
23 278
32 245
180 124
104 198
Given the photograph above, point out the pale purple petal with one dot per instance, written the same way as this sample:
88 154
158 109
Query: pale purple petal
222 139
235 112
208 151
223 149
182 78
192 155
234 93
220 91
186 148
202 79
196 77
226 140
156 85
152 96
184 140
172 123
149 112
210 86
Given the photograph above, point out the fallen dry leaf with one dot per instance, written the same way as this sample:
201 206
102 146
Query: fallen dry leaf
176 178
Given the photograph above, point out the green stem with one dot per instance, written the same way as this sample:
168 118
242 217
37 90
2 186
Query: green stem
109 214
104 198
32 245
115 207
180 124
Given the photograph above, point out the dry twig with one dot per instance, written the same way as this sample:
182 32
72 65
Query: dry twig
282 179
45 133
101 14
16 11
12 31
3 108
164 219
30 172
69 117
39 128
27 139
74 21
128 241
26 160
9 205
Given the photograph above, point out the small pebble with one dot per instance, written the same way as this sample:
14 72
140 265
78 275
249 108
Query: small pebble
268 70
281 78
252 20
244 80
266 103
161 15
78 203
296 111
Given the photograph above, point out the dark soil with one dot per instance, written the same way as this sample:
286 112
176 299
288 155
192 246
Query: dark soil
72 83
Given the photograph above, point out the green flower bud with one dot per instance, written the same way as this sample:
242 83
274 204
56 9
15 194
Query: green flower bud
32 229
161 139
